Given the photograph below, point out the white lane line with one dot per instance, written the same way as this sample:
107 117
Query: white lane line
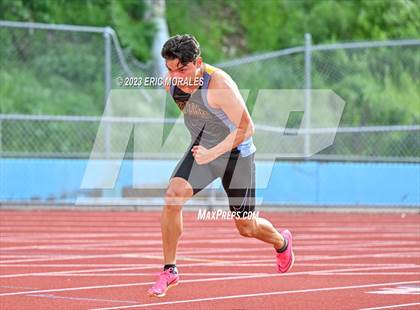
137 255
154 274
70 257
76 271
148 266
194 280
25 287
93 244
48 237
336 239
392 306
354 264
234 256
130 246
88 265
51 296
199 251
316 273
206 262
367 273
386 255
255 295
155 234
210 263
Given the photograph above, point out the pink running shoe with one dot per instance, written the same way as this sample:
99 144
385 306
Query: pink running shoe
286 259
166 280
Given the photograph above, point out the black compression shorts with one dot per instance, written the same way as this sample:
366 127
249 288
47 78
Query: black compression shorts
236 172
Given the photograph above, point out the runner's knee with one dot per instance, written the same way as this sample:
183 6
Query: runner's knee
175 197
173 200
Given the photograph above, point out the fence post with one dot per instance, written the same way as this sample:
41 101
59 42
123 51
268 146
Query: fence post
2 173
308 86
107 62
1 139
107 76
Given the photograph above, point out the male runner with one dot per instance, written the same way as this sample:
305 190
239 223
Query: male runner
221 146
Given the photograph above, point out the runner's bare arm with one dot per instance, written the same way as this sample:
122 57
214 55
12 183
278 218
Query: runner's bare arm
224 94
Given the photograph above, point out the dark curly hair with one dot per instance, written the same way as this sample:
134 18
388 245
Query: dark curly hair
183 47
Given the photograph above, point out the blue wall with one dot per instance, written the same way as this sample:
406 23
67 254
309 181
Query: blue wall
290 182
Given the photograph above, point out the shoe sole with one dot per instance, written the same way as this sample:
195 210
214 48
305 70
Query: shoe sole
291 265
293 262
164 293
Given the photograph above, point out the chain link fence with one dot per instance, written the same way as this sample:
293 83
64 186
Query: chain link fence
74 137
61 69
377 80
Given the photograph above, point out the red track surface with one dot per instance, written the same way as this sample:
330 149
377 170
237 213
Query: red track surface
108 260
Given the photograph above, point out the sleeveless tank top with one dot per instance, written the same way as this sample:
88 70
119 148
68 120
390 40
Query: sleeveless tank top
208 126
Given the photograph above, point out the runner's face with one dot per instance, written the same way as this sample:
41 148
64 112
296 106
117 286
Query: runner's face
177 70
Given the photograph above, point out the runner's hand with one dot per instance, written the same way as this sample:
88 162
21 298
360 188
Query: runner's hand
202 155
